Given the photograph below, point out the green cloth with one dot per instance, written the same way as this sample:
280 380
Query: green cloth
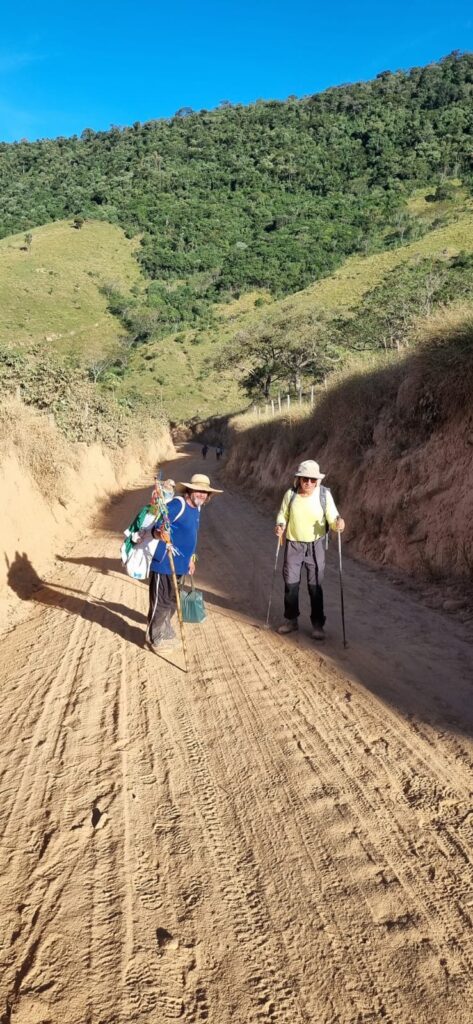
136 525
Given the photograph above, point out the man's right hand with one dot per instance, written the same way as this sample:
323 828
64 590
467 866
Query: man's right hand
279 529
160 533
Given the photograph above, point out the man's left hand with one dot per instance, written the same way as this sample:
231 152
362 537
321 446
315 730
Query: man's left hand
192 567
339 525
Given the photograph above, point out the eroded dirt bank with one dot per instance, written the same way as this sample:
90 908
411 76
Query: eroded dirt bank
51 489
396 443
283 835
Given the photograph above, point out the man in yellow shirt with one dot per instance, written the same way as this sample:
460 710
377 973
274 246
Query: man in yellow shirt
305 512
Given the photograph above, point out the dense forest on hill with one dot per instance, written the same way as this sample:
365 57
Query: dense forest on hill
272 195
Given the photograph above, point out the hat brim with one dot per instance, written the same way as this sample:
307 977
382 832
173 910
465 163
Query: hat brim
198 487
320 476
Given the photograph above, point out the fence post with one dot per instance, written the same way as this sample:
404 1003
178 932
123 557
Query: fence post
300 396
272 407
288 398
279 401
312 394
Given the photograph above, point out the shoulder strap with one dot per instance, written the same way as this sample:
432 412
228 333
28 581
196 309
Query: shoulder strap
183 505
323 501
323 498
291 499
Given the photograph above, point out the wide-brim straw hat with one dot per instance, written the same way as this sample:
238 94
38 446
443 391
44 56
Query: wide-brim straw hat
309 468
199 482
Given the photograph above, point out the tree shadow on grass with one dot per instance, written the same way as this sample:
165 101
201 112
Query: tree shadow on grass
23 579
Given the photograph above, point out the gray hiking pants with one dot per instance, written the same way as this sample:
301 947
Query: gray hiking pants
311 556
162 606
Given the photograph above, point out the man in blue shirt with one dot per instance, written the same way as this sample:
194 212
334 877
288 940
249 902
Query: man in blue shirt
184 517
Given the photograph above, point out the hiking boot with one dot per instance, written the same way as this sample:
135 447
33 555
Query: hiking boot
162 644
288 626
169 641
318 633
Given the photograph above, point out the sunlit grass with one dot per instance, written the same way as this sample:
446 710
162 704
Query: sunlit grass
51 293
51 296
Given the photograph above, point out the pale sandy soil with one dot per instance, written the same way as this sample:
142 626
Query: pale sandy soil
283 835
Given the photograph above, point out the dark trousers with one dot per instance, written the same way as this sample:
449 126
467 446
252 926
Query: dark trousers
297 556
162 605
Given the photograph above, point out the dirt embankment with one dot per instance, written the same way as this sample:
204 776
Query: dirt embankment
397 447
281 835
51 488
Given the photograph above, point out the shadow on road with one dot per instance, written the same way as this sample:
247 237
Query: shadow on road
103 565
411 658
28 586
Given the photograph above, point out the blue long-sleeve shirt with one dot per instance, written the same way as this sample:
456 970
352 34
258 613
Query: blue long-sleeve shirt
184 520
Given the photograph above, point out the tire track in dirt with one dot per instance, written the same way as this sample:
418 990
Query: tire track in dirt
239 885
281 835
296 830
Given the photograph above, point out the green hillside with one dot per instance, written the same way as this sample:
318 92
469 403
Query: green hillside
274 195
320 227
52 302
180 367
50 291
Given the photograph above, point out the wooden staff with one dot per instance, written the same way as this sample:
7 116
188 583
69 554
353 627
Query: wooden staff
163 509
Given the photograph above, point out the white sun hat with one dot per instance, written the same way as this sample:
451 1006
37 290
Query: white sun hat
309 468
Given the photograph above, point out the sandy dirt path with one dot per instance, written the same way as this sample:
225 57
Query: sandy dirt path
284 835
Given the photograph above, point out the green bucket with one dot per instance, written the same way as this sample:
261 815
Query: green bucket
192 605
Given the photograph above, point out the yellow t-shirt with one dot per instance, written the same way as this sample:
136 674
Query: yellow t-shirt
306 518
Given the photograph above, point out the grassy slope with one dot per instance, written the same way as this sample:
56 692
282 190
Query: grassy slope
175 366
51 294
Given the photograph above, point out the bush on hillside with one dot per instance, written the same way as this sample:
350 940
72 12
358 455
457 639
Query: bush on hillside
82 410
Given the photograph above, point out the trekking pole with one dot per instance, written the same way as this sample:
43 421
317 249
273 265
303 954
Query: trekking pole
163 510
341 585
279 543
178 603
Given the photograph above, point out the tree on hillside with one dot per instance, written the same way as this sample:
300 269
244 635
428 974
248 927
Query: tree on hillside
28 240
285 355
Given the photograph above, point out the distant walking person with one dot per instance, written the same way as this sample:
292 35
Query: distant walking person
205 449
219 452
306 512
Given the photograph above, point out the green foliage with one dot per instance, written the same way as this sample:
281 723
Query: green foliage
82 409
282 355
274 195
386 314
294 351
161 310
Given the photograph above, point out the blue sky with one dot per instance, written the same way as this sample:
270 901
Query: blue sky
66 67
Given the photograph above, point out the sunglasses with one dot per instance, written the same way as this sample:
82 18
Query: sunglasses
309 479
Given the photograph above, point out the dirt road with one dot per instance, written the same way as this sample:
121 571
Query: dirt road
284 835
